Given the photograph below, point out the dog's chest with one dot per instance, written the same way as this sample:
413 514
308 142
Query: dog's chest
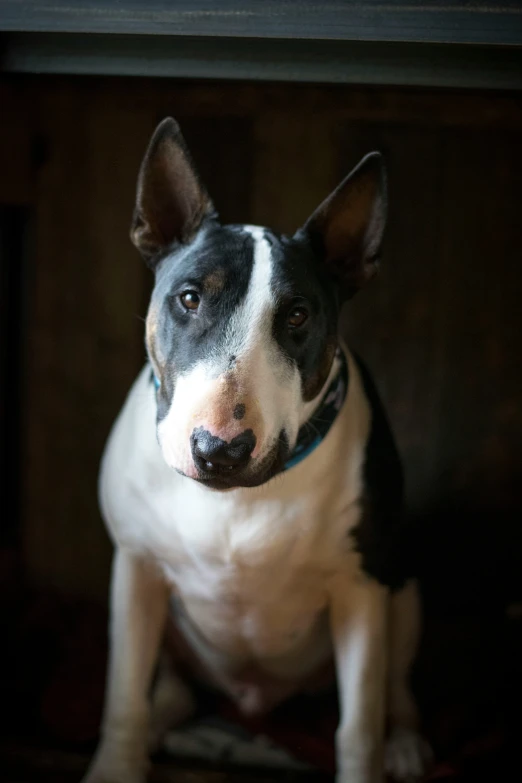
254 578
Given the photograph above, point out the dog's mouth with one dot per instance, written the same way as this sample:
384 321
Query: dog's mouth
272 464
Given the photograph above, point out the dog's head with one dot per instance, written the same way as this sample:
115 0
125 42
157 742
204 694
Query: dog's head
242 323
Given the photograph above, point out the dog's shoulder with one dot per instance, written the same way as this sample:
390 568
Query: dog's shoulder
381 536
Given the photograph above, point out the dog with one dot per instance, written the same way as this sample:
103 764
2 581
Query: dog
251 483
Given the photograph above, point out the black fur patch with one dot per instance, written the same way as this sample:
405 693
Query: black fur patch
182 338
380 535
300 279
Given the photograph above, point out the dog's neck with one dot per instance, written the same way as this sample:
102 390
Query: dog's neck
322 411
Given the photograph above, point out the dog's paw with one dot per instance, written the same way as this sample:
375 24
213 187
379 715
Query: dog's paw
407 756
103 770
359 775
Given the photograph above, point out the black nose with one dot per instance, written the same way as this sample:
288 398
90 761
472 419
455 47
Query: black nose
213 455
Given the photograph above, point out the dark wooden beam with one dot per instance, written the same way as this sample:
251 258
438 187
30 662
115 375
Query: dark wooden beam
296 60
444 21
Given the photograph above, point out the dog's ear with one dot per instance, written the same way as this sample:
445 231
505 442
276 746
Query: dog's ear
346 230
171 202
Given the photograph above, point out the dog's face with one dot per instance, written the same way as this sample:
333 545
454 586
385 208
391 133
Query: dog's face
242 324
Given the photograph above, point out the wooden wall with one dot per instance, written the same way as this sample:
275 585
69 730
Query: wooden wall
441 328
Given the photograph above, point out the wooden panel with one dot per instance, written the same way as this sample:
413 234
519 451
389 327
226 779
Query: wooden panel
393 321
294 168
441 327
85 338
327 102
330 104
479 443
14 222
222 149
16 145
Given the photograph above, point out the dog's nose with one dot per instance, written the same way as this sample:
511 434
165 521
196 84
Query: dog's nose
214 455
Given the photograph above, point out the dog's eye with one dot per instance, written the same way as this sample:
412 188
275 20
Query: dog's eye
297 317
190 300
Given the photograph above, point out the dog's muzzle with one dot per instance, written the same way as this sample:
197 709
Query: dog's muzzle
225 465
215 457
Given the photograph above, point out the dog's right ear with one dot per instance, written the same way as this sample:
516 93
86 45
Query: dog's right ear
171 202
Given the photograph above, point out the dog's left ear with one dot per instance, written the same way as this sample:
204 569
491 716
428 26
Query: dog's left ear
171 202
346 230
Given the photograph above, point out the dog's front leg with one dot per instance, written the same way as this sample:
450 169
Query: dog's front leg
139 600
358 620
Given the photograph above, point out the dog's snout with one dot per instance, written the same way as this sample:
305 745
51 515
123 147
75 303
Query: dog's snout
214 455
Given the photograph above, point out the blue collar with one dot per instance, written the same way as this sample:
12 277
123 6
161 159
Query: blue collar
315 430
